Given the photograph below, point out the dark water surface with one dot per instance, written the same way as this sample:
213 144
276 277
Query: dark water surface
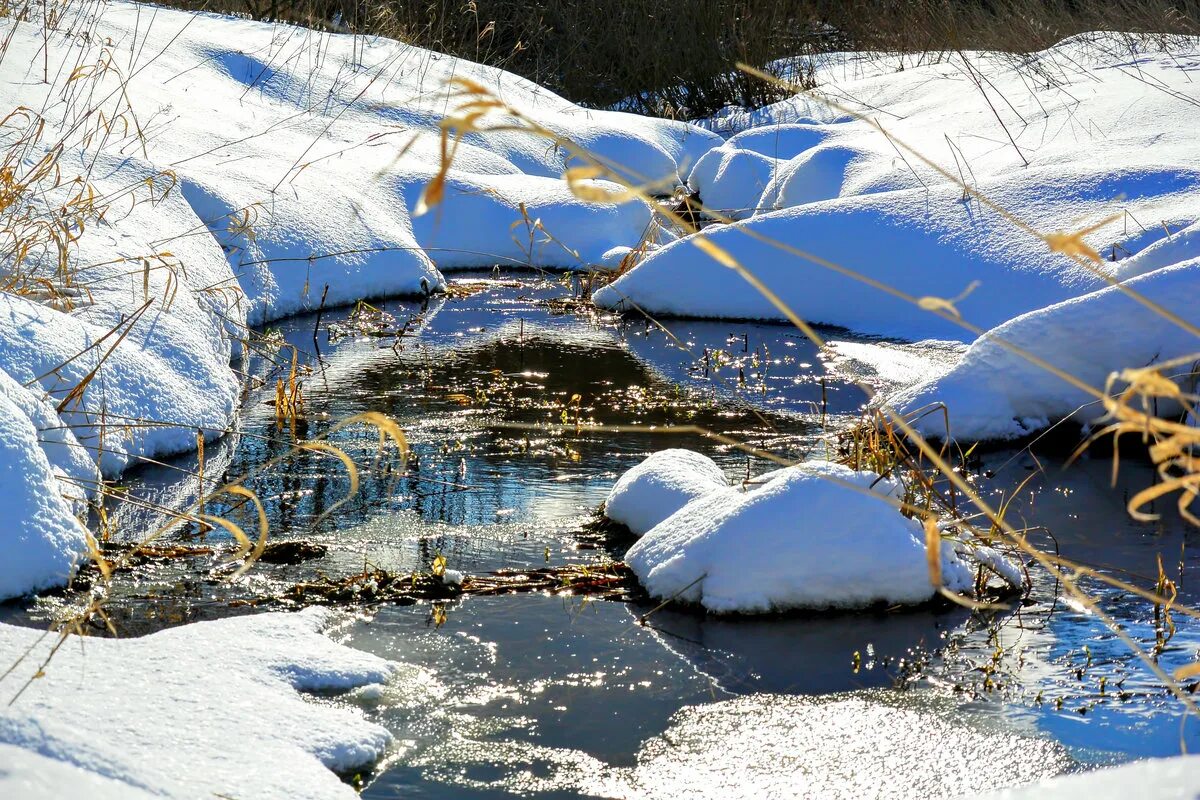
533 695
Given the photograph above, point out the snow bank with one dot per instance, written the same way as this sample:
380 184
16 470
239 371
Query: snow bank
661 485
42 539
523 220
1098 147
27 775
993 393
818 535
204 710
1161 778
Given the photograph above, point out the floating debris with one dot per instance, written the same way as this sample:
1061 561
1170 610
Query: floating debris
292 552
611 580
367 320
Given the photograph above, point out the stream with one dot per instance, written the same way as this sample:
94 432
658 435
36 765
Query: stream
546 696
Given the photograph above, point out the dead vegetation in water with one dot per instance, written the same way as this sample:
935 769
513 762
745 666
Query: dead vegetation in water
610 580
366 321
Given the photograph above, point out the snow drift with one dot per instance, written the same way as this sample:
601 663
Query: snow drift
857 228
203 710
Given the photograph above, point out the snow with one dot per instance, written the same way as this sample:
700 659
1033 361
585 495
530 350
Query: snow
779 142
42 539
661 485
1162 778
550 232
1101 156
208 709
818 535
30 776
864 744
994 393
731 180
277 168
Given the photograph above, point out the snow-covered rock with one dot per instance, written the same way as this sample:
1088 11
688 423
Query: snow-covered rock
994 393
818 535
661 485
204 710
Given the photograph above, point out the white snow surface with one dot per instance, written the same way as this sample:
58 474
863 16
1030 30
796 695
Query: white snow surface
731 180
1105 132
42 539
817 535
285 165
1176 778
995 393
30 776
661 485
204 710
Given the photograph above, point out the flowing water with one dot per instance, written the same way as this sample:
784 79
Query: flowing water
553 696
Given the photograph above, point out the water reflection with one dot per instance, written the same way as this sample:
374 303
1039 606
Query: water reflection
537 697
805 655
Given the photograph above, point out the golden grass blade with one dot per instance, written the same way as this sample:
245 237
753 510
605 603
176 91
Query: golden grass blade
933 551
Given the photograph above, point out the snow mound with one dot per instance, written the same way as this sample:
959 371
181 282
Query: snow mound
523 220
907 239
780 142
819 174
209 709
42 539
730 181
1161 778
993 393
818 535
661 485
359 242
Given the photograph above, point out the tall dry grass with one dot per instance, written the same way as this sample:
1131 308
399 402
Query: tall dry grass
676 58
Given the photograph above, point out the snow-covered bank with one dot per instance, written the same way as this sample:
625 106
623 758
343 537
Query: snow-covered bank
209 709
1089 136
995 393
817 535
237 172
1096 145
